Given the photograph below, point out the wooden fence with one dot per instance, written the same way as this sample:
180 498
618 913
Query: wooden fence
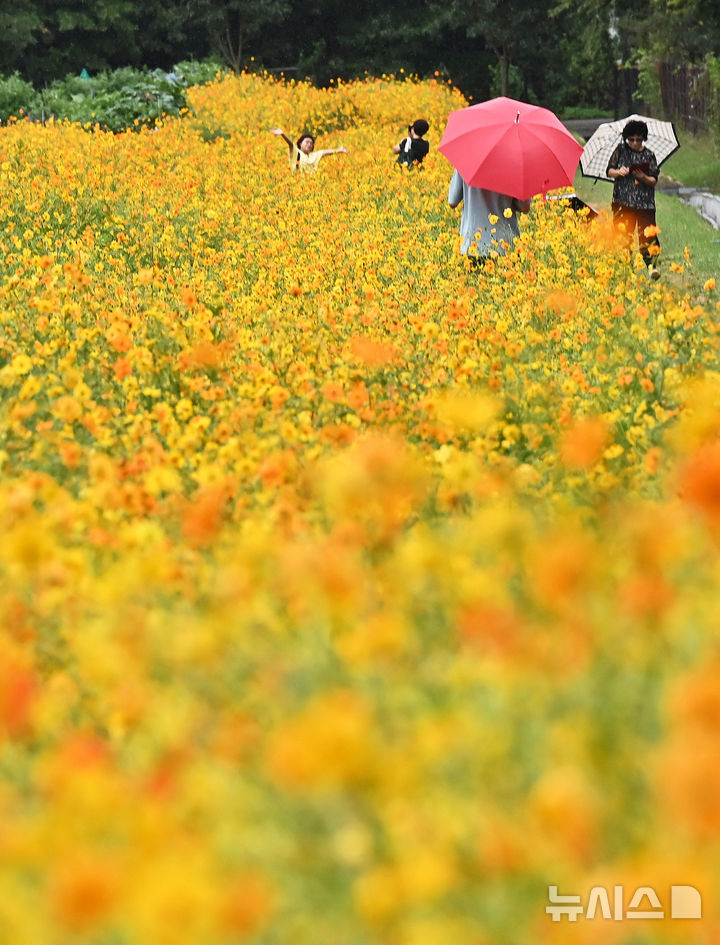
687 95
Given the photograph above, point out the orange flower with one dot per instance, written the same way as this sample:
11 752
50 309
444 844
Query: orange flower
17 695
561 303
23 411
695 700
358 395
646 594
566 807
118 340
84 890
188 296
247 905
204 514
333 391
583 443
699 480
490 629
329 742
689 783
278 397
687 773
371 352
204 354
70 453
562 571
274 469
652 460
338 433
122 368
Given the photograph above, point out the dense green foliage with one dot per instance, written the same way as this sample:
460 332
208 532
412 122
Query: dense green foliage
562 53
114 100
17 97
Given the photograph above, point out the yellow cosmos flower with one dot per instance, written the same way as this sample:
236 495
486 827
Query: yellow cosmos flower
21 365
184 408
162 479
342 531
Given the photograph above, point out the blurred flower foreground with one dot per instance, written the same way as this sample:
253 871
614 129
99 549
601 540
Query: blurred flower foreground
347 596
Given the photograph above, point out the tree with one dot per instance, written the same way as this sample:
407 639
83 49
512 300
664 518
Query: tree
683 30
231 24
18 31
506 28
69 35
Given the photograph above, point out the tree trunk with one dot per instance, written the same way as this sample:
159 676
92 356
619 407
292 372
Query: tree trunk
230 41
504 72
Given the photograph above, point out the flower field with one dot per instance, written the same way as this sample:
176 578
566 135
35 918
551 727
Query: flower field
348 596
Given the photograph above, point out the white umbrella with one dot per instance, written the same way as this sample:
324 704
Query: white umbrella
661 140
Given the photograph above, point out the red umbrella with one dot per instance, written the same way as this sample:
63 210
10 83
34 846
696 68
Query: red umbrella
510 147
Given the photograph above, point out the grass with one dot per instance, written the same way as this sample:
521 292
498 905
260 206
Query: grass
681 225
582 112
696 164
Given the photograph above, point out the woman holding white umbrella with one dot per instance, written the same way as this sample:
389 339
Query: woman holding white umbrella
634 169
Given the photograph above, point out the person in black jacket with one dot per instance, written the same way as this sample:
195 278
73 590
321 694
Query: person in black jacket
413 149
634 169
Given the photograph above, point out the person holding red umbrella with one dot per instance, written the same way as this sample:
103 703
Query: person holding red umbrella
504 152
489 222
510 147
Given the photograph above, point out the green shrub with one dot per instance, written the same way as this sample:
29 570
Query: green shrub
190 72
126 97
582 112
16 97
116 100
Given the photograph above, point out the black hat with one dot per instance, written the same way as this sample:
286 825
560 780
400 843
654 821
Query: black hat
420 127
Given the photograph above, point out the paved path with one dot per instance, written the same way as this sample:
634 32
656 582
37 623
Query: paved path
707 205
584 127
